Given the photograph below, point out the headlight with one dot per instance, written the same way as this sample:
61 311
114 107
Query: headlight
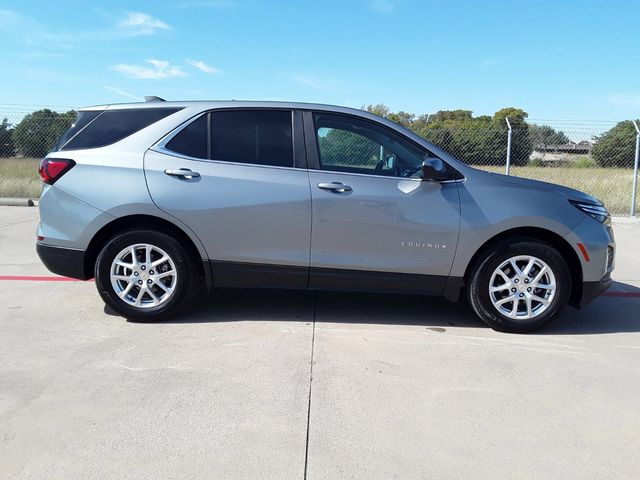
594 210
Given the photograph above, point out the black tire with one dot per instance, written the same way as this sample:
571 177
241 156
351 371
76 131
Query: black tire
478 292
186 280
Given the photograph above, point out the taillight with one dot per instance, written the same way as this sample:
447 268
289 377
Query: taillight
51 169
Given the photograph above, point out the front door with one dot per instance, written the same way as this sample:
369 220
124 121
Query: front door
376 225
234 177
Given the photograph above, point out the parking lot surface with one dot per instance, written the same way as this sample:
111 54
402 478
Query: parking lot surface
293 385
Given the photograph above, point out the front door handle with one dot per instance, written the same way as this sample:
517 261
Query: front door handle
335 187
182 173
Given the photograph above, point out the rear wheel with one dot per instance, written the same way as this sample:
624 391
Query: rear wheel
520 285
145 275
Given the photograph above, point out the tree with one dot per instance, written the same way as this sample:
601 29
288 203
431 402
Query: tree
616 147
6 139
402 118
342 148
478 140
521 145
546 135
379 109
39 131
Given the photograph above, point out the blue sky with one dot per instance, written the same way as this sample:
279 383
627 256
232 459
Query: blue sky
555 59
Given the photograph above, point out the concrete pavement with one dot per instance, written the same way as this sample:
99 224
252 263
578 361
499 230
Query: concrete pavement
279 384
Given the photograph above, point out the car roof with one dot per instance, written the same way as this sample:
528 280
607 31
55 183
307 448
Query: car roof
212 104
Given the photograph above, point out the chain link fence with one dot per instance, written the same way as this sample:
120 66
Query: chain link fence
597 159
598 162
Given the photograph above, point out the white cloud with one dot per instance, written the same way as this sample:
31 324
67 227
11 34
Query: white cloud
625 99
383 6
122 93
200 65
161 69
312 82
143 23
30 32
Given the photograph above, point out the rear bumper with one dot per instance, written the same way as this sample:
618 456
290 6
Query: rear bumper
592 290
63 261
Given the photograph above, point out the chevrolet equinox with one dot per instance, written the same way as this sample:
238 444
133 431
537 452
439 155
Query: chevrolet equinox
155 199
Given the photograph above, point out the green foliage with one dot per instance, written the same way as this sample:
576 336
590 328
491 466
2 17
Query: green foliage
39 131
379 109
341 148
585 161
7 148
546 135
403 118
478 140
616 147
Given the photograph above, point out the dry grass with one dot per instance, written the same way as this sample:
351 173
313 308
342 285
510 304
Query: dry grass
611 185
19 178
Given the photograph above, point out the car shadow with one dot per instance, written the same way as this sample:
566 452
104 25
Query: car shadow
607 314
618 311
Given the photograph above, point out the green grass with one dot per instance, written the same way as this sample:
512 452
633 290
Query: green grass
19 178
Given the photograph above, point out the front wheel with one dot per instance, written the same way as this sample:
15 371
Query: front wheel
518 286
145 275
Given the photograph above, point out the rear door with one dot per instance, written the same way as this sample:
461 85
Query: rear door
376 225
238 179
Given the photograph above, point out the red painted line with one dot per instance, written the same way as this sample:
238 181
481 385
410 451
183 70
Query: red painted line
28 278
621 294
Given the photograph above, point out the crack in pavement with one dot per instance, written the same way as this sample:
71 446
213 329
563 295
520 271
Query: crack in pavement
313 341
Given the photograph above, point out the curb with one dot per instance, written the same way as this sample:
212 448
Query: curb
18 202
623 220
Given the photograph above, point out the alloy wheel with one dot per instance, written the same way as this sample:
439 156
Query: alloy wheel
143 275
522 287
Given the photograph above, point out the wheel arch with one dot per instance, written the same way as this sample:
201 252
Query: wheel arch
544 235
112 228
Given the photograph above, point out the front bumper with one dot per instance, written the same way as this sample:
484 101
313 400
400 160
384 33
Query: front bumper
592 290
64 261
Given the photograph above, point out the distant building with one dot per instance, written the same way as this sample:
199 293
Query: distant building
560 154
582 147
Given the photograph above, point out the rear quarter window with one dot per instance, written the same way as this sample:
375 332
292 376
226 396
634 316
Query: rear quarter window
113 125
192 140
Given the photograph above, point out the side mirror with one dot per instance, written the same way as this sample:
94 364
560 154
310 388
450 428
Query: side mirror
435 170
390 162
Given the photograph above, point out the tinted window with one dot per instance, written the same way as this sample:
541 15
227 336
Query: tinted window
191 140
82 119
114 125
262 137
349 144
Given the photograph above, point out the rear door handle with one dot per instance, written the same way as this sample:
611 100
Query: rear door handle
335 187
182 173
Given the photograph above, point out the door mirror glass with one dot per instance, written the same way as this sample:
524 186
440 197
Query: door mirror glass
390 162
435 170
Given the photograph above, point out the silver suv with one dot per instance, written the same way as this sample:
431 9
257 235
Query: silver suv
154 199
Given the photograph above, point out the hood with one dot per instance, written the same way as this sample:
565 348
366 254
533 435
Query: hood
570 193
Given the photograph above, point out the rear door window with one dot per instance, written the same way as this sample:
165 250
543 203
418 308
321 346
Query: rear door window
113 125
258 137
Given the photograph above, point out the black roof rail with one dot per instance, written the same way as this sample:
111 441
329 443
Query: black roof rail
153 98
